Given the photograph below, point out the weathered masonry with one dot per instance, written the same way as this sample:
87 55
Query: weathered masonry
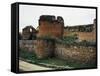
84 32
45 48
49 27
29 33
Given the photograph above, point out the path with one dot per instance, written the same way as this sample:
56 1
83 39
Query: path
25 66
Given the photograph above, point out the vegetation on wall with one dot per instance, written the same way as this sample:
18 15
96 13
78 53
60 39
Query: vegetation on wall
72 39
69 39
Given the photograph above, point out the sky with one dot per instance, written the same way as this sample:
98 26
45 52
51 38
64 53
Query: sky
29 15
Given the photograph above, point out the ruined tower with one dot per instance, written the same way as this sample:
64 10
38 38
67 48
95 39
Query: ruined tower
49 26
49 29
28 33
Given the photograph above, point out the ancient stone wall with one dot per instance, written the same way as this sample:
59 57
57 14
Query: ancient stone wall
80 28
78 54
28 45
89 36
84 32
44 48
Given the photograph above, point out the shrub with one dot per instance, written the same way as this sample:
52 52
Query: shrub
69 39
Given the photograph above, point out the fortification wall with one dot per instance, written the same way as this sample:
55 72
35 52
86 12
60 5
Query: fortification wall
44 48
48 48
28 45
84 32
79 54
89 36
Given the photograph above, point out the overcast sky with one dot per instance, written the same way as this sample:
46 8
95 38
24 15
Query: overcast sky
29 15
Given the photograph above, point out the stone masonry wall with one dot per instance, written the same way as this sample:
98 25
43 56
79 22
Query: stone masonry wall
80 54
44 48
49 48
28 45
89 36
50 26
